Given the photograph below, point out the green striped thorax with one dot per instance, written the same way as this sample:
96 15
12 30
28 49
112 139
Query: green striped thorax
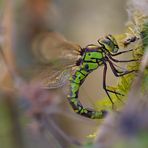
90 58
93 55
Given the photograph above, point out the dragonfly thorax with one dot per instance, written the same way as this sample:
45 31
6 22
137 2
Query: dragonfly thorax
91 54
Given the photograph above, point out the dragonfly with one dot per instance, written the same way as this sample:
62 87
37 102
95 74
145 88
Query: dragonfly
71 62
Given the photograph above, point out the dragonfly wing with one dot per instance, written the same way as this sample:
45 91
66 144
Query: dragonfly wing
56 56
53 49
56 80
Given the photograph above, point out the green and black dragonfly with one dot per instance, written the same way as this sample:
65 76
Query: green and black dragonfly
85 60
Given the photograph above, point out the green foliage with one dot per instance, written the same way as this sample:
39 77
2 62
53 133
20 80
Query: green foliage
88 145
5 128
144 35
140 141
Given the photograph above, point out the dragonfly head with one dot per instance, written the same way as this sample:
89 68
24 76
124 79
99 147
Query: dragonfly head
109 43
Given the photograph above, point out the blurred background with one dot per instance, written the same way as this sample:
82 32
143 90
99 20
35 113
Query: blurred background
29 24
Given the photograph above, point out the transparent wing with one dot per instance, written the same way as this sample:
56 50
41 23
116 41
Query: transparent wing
55 80
56 56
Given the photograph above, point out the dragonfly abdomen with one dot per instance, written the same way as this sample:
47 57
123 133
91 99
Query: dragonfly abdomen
75 82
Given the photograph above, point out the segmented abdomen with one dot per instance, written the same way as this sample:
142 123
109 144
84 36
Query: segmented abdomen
75 82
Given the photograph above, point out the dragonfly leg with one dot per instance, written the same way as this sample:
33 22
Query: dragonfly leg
104 84
107 90
119 73
125 51
122 61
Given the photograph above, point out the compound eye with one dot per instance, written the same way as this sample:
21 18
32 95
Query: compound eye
116 48
110 35
107 41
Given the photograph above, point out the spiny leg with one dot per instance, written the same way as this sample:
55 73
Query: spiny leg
122 61
108 90
121 68
104 82
105 86
119 73
125 51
